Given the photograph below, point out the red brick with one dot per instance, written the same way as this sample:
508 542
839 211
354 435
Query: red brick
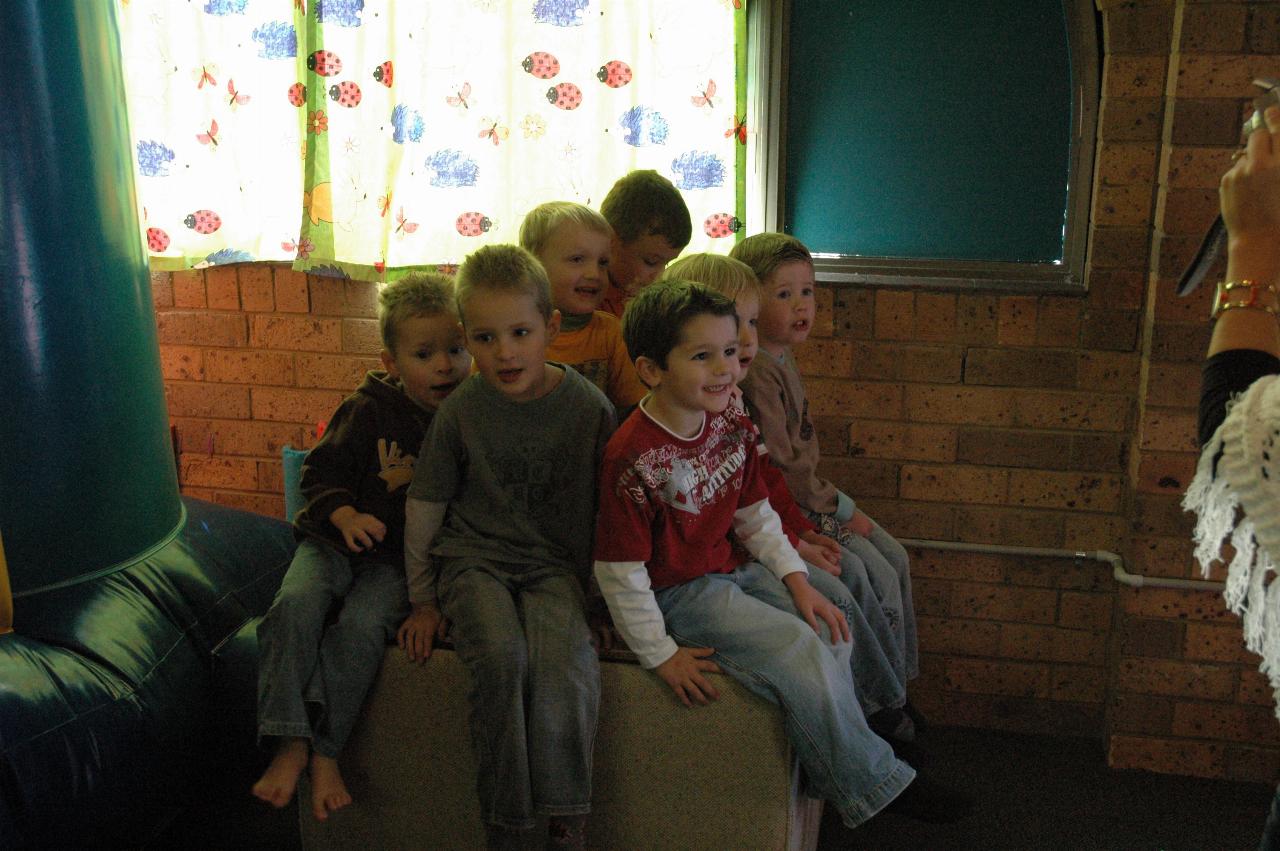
361 336
859 477
1219 76
1180 341
296 333
1253 765
1134 76
830 358
984 677
1116 289
1119 247
268 504
1008 526
188 289
905 362
1011 447
1141 713
1174 252
1217 644
1173 385
1001 603
162 289
1083 574
249 367
1189 210
1128 205
1192 168
957 564
335 372
1151 637
829 397
201 329
1165 472
257 290
833 434
1098 452
291 292
902 441
1058 321
854 313
1255 689
1084 492
294 406
1093 532
895 315
1213 28
1161 516
904 519
824 312
1077 683
1076 411
340 297
958 637
1016 323
207 400
1166 756
954 483
1263 28
198 493
1254 725
1051 644
1131 119
935 319
1176 679
181 363
931 597
1080 610
217 472
960 405
1170 307
222 288
1205 121
1169 430
236 437
1136 28
271 476
977 318
1160 556
1122 163
1020 368
1108 372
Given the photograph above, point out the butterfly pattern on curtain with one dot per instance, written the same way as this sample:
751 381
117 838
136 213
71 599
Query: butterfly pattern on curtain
365 137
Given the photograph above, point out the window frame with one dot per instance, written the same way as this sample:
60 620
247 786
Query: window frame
768 39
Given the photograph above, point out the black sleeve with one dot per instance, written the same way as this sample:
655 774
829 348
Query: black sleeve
1224 375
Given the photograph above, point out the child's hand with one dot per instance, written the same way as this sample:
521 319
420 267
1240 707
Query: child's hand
811 605
601 626
858 524
820 551
360 531
419 632
683 672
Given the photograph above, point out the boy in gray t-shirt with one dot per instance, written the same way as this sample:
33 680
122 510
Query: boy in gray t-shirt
498 542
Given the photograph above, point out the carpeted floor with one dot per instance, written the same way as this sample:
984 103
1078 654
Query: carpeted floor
1032 792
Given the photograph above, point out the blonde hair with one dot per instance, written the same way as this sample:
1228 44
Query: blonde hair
725 275
416 294
765 252
503 268
542 221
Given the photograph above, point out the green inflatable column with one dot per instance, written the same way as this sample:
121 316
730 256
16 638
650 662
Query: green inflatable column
87 482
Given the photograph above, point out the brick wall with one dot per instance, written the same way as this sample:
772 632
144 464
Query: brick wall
1056 422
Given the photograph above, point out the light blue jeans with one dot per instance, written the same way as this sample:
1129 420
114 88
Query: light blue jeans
748 618
522 633
876 677
313 675
888 568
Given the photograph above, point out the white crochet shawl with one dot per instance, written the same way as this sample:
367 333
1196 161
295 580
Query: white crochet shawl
1241 500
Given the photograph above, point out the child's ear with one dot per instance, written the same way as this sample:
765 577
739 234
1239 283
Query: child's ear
649 371
389 363
553 325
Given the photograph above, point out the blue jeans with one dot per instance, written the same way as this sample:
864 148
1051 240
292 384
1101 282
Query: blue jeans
876 677
306 663
888 568
748 618
522 633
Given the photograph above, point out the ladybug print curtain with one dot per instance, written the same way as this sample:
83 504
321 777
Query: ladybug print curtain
364 138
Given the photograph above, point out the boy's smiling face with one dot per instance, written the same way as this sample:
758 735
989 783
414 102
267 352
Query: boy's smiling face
701 371
786 315
577 260
508 337
636 264
429 358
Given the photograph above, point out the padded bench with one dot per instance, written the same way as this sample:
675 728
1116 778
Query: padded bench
666 777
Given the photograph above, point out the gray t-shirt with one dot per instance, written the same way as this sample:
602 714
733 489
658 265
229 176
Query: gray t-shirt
520 477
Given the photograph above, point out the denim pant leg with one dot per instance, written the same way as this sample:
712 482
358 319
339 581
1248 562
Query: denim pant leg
563 693
352 649
489 639
887 584
289 637
780 658
878 682
896 555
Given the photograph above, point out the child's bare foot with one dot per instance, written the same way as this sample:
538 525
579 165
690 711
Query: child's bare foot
278 783
328 792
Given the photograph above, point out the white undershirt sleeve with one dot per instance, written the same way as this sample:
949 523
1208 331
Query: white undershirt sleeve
625 586
760 530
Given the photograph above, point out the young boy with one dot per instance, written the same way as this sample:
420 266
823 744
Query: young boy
841 577
512 455
775 396
678 476
572 243
651 227
312 679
